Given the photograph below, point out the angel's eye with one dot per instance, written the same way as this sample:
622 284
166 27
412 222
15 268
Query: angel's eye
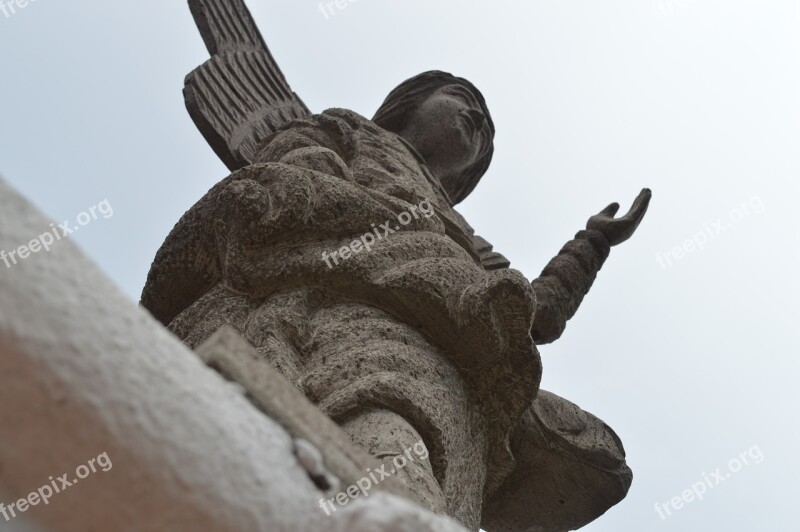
461 94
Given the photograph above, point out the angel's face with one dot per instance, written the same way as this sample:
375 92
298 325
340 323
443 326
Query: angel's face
450 131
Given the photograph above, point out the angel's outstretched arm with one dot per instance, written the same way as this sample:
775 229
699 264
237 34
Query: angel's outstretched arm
565 281
569 276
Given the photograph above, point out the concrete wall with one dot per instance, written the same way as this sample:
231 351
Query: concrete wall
84 372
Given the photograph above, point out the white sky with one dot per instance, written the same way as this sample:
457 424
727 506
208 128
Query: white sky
698 99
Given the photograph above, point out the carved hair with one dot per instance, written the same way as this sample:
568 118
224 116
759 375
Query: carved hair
399 107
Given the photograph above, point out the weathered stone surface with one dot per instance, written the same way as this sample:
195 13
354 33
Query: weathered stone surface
415 325
336 251
83 371
343 463
571 470
239 96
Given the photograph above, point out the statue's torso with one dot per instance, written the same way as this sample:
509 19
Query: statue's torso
415 325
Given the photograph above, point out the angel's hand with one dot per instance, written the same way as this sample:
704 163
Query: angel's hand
618 230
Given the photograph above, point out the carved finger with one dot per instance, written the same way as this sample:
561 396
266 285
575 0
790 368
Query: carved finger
610 211
640 205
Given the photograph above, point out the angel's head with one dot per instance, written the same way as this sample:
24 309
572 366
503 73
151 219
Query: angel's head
446 119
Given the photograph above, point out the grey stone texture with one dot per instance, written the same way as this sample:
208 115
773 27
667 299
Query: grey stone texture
419 332
327 453
84 371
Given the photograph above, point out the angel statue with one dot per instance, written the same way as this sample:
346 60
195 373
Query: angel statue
335 249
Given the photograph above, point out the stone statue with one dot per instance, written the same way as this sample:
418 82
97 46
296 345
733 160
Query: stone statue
335 249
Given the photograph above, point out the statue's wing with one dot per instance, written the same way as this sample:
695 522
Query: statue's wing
239 96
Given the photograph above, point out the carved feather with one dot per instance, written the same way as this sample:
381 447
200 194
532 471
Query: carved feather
239 96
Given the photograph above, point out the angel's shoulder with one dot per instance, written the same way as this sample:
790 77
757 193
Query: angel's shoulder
348 118
341 124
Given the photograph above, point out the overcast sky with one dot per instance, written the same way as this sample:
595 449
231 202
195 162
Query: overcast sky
688 343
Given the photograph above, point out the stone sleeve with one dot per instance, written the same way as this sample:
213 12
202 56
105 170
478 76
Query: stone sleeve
308 147
294 138
565 281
